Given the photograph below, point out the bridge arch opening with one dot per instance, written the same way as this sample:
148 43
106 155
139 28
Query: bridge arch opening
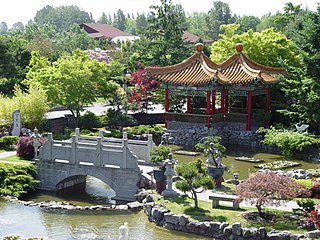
88 189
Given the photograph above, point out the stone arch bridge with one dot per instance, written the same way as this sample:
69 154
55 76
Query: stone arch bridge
63 164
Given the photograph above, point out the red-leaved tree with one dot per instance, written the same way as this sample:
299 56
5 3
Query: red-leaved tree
144 87
268 188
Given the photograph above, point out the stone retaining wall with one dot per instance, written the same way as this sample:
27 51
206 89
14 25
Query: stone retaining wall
188 134
217 230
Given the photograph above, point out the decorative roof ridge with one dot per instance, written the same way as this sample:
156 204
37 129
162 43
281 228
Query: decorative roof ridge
266 69
246 68
204 60
173 68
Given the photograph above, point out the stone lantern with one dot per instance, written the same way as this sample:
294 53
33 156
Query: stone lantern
170 172
36 141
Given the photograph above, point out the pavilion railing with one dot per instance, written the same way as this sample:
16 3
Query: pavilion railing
187 117
237 115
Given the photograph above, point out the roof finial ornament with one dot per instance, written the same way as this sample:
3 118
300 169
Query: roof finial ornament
199 47
239 47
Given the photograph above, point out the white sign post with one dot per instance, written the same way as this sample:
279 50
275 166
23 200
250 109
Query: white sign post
16 128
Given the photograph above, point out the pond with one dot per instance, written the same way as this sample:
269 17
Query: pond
31 221
243 168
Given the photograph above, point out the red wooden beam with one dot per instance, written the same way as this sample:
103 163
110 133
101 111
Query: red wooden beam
249 106
166 108
188 104
208 109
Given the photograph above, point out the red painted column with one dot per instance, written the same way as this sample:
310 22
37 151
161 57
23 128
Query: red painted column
226 102
267 103
166 108
249 105
188 104
208 109
213 106
222 103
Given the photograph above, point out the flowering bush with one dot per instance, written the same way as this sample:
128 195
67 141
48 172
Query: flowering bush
314 216
100 56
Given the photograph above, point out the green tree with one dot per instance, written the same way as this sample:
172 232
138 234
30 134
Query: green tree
193 178
141 23
3 28
165 30
267 47
119 20
71 81
218 15
197 24
247 23
14 59
63 17
105 19
301 99
33 106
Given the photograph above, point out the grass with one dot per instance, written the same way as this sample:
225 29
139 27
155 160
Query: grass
15 159
184 205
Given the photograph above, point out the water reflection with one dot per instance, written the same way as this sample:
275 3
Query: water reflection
93 192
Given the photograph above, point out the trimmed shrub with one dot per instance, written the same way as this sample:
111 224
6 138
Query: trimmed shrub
17 179
159 154
90 121
25 148
6 142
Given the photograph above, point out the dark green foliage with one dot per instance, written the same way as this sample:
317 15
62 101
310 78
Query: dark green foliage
63 17
17 179
218 15
160 153
192 178
89 121
117 119
306 204
6 142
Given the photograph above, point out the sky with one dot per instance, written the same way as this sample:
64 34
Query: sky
12 11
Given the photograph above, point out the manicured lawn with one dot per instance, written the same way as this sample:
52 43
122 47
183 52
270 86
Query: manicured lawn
15 159
182 205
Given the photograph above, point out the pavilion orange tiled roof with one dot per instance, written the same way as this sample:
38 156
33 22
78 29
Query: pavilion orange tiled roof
199 70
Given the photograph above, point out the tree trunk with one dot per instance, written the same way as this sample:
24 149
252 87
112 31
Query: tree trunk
259 208
195 198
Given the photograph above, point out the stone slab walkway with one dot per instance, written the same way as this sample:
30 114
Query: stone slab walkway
7 154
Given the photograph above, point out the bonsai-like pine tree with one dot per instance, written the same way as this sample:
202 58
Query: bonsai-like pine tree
193 177
268 188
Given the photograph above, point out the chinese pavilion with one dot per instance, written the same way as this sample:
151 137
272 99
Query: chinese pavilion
238 76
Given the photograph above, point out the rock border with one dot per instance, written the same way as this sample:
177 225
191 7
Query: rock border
68 206
161 216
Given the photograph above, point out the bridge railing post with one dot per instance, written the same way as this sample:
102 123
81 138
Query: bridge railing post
50 145
99 146
124 149
101 133
73 149
77 132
